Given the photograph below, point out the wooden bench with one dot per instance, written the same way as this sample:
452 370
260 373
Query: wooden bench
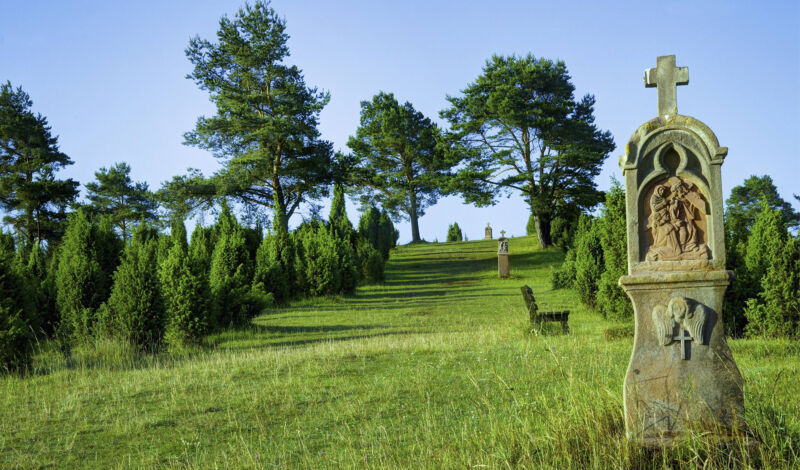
537 317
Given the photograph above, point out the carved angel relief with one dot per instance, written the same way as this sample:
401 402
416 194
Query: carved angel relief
677 313
676 208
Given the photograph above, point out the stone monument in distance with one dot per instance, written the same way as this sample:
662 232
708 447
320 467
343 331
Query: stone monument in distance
681 377
502 255
488 232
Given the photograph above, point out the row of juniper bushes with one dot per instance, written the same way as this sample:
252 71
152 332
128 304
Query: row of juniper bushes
163 290
762 248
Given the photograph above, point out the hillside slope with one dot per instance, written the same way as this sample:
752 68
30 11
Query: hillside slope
435 368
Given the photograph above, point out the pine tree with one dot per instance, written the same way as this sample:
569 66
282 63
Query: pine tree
124 201
520 128
135 311
32 198
265 127
400 159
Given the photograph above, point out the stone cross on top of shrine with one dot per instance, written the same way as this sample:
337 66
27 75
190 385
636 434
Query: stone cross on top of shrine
666 76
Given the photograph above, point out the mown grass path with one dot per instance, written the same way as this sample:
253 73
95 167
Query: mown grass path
435 368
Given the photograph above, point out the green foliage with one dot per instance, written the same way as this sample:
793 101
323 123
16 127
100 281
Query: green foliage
274 270
80 279
37 272
135 311
564 276
372 262
742 208
589 262
17 314
393 355
338 221
377 228
33 200
326 265
200 250
773 258
454 233
744 205
530 227
116 196
400 160
184 294
265 129
230 276
519 128
612 301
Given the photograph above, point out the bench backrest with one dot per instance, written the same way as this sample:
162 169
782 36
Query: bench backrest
530 300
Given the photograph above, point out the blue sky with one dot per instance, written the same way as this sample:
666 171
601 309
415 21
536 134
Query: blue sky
110 76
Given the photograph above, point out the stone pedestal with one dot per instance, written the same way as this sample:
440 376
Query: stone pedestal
681 378
503 269
502 265
674 386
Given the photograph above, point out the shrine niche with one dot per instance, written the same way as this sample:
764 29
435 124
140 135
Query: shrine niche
675 222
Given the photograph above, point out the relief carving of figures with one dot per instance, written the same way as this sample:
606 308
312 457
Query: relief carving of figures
676 208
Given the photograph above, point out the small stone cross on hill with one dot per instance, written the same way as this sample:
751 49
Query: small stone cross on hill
503 233
666 76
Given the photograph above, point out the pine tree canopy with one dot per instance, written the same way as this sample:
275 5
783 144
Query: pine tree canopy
744 205
32 198
519 128
400 160
265 129
126 202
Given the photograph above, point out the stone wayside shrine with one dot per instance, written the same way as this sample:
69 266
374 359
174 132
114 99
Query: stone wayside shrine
681 377
503 269
488 231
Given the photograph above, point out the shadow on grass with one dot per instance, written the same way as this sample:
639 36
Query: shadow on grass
262 342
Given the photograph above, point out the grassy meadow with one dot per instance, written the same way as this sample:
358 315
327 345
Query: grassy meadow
435 368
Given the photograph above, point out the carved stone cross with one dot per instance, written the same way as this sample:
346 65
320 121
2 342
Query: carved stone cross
683 338
666 76
502 233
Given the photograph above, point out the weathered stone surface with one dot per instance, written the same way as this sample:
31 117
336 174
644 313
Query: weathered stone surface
681 374
503 269
488 232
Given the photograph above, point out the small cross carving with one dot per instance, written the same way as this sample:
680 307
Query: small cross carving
502 233
666 76
683 338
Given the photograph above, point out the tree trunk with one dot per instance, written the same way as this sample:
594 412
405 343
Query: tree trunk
542 223
414 220
279 207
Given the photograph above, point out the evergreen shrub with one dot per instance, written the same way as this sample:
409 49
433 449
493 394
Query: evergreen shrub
454 233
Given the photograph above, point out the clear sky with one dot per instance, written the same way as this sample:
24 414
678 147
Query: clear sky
110 76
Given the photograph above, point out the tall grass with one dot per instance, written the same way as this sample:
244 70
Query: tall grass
436 368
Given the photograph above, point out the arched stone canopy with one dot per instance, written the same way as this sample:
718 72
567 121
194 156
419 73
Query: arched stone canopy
662 149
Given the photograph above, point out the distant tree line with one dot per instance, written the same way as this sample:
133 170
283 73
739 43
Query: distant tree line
762 249
162 289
